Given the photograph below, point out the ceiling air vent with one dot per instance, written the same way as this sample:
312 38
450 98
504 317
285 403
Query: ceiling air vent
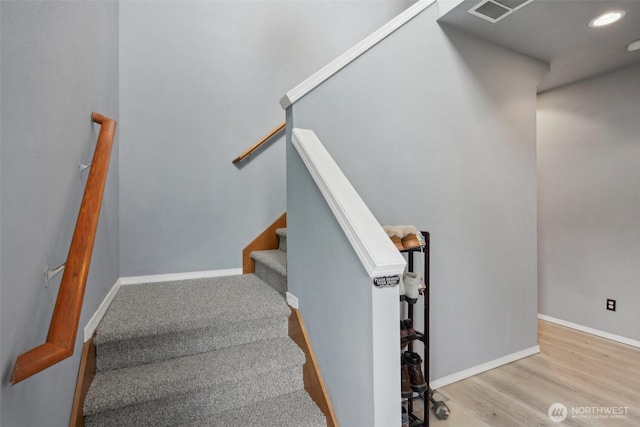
495 10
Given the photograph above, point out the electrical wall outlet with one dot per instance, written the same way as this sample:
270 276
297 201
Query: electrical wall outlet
611 304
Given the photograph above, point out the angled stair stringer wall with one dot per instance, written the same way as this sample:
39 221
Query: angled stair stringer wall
437 129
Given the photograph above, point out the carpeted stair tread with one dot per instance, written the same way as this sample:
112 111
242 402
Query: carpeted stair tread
271 266
289 410
154 348
282 237
155 309
205 402
275 259
219 370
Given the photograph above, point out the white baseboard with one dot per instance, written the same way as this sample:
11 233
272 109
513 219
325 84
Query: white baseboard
450 379
292 300
588 330
97 316
136 280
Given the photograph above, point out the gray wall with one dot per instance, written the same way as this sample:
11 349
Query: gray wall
0 200
589 202
432 131
335 296
59 63
200 83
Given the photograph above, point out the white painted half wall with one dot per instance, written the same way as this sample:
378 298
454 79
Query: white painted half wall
431 131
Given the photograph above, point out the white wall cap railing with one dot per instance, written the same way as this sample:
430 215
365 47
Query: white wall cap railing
377 253
343 60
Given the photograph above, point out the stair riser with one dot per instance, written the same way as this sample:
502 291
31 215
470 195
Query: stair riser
282 237
276 280
288 410
202 403
120 354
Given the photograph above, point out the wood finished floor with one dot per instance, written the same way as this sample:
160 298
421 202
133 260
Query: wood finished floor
576 369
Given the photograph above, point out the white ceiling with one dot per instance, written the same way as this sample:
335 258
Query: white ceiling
558 32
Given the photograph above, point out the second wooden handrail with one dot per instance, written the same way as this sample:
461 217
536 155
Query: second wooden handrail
267 137
66 313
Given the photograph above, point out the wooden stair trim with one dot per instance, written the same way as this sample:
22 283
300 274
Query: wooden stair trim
268 239
313 383
85 375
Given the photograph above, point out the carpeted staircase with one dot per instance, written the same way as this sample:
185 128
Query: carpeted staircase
203 352
271 265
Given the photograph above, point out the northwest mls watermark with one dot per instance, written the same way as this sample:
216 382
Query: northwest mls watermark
558 412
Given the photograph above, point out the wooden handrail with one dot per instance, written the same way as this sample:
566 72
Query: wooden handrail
267 137
66 313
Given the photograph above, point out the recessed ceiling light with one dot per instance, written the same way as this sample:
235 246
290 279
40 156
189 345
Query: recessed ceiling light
606 18
633 46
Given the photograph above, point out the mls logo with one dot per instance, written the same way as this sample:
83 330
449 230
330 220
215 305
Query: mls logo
557 412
